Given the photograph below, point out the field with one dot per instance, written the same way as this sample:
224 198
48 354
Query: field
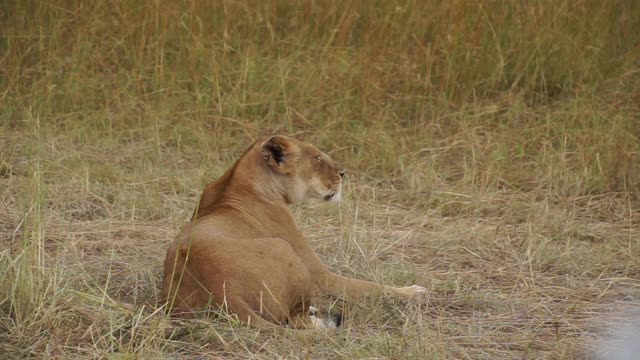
493 151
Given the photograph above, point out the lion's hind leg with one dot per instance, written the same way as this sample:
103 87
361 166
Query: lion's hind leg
245 313
311 320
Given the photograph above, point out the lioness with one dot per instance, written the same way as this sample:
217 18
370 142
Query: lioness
242 250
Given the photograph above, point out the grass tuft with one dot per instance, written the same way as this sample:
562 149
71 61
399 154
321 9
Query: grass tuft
493 151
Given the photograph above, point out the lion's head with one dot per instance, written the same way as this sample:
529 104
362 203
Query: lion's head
301 171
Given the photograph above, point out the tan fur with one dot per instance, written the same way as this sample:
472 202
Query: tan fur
243 251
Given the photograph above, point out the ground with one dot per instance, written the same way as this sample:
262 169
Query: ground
492 149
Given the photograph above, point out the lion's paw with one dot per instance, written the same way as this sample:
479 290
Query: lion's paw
415 293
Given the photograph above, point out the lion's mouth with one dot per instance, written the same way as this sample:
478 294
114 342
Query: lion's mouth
333 196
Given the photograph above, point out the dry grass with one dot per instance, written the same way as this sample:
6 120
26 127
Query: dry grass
493 149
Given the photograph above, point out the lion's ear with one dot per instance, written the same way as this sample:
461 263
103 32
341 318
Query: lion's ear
275 152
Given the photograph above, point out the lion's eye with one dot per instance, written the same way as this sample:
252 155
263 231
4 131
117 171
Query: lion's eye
318 158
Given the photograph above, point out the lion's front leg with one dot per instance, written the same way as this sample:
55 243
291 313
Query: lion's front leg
337 285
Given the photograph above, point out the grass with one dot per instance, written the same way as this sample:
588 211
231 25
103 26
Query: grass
493 151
